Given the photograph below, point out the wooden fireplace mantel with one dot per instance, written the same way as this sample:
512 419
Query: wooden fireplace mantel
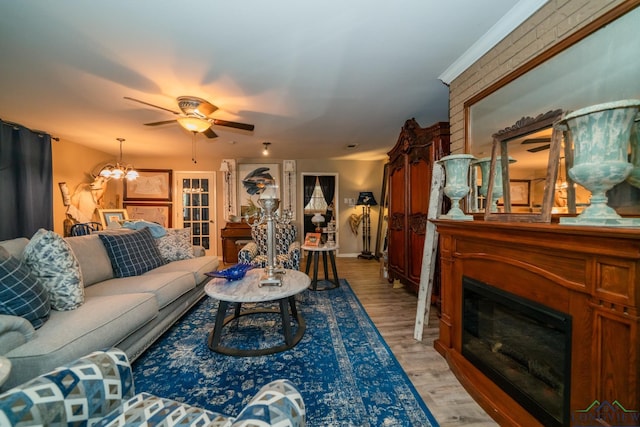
590 273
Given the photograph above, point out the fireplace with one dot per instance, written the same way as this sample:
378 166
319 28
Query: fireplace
523 346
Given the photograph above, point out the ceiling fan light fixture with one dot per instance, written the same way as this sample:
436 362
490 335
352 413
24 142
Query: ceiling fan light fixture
265 151
194 124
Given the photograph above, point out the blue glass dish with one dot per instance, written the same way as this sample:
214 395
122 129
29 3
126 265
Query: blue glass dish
235 272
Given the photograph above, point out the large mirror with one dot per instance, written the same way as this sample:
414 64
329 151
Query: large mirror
600 67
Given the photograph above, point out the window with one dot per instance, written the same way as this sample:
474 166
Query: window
317 202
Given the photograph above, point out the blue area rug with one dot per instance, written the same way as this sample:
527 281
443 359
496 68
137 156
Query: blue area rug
344 370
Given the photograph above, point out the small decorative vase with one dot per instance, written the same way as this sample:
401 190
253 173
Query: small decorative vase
456 168
485 166
634 176
601 135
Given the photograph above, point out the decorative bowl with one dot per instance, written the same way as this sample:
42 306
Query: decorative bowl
235 272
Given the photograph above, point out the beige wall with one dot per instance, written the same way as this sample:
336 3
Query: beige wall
73 164
554 22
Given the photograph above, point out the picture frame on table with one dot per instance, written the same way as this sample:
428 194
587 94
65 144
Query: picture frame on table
160 213
112 215
312 239
151 185
249 173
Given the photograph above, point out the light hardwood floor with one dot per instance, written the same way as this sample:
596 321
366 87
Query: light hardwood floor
393 311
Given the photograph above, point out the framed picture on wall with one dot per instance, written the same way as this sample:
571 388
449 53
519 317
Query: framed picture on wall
160 213
112 215
249 176
151 185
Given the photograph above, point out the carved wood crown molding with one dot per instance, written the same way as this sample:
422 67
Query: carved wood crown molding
528 125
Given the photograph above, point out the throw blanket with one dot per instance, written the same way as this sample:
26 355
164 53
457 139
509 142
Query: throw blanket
156 229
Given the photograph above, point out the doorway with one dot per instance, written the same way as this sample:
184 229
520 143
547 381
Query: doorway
319 195
195 208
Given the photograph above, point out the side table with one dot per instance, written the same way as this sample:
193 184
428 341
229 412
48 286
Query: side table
5 369
317 250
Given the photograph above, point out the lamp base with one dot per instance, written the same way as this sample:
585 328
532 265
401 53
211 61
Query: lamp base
366 255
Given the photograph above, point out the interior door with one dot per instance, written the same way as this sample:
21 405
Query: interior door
195 208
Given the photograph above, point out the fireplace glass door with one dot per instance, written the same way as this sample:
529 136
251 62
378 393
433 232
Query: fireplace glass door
522 346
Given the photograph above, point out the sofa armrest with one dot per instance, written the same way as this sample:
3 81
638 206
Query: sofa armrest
277 403
102 377
248 253
14 331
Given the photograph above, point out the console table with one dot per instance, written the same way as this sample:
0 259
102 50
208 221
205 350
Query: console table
231 234
589 273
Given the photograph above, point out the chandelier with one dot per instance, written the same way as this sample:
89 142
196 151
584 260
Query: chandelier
119 171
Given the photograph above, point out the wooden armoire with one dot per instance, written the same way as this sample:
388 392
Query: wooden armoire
410 166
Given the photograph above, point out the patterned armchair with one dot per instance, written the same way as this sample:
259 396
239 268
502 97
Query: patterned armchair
98 390
287 248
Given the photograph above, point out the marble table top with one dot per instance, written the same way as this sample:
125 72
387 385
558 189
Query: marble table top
320 248
247 289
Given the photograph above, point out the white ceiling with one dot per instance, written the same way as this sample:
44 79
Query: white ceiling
313 77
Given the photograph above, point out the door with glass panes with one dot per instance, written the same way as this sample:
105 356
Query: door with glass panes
196 207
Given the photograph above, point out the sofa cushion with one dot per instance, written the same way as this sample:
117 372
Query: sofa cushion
51 259
93 258
176 244
99 323
147 409
21 292
166 287
196 266
132 254
15 246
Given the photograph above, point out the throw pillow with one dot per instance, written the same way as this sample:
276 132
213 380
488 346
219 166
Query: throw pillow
51 259
21 293
175 244
132 254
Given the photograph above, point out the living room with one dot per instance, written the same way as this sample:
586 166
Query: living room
557 25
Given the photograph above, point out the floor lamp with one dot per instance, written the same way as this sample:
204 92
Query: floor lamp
366 200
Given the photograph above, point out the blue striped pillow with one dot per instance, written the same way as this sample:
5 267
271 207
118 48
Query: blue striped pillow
21 293
132 254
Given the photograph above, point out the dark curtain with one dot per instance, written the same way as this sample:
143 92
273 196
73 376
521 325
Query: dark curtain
26 181
328 187
309 185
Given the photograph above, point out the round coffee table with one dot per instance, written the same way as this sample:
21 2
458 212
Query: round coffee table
248 290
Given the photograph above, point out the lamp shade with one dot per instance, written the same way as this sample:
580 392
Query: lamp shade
366 198
194 124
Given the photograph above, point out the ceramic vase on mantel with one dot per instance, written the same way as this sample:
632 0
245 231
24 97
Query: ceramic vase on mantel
456 168
601 135
485 167
634 175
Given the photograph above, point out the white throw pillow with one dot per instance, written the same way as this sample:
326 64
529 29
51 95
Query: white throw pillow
52 260
176 244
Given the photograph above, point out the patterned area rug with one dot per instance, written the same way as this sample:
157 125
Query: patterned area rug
344 370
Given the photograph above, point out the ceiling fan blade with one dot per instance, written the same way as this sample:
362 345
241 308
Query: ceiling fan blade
163 122
209 133
236 125
152 105
536 141
540 148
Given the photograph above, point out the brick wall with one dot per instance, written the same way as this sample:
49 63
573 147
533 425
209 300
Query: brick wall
554 22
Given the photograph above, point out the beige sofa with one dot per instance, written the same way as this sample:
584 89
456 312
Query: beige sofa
129 312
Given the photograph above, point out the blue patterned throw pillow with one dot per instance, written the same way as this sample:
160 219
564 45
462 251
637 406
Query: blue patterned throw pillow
52 260
176 244
132 254
21 293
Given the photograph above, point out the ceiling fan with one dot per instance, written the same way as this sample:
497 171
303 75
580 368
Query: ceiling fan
194 116
545 141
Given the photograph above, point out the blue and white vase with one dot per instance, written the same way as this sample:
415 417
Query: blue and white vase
485 166
634 175
456 168
601 135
